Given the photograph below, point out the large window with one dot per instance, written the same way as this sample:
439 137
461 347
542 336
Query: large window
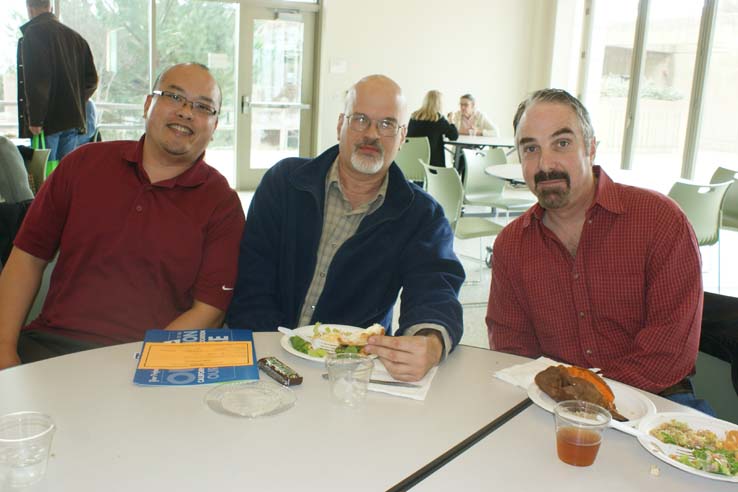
117 32
12 16
650 131
665 88
611 58
718 142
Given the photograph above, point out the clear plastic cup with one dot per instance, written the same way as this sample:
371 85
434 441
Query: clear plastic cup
349 376
579 426
25 441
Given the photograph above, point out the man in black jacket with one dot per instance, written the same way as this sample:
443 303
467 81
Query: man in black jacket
56 77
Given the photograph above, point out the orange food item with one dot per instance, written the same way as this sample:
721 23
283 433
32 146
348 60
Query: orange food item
731 441
598 382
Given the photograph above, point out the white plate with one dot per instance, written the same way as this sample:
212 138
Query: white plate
307 331
630 403
250 398
695 421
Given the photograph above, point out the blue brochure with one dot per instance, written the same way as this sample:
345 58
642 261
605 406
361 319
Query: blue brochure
161 363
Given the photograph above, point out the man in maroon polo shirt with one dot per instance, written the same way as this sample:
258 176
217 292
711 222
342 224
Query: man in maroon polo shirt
597 274
147 234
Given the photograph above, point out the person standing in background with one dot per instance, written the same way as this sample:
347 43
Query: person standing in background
428 122
56 77
469 121
91 123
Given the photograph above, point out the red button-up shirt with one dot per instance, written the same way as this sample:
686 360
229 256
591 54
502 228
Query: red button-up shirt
132 255
629 302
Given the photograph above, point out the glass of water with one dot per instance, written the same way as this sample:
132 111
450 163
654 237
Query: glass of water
25 441
349 376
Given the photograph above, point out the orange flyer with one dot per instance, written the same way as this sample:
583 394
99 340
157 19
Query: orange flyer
193 355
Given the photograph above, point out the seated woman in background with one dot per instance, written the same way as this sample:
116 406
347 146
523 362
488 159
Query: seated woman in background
428 122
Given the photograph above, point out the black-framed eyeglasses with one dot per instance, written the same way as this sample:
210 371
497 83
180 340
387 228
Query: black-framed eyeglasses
179 100
386 127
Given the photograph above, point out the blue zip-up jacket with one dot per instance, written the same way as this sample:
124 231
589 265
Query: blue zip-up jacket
405 244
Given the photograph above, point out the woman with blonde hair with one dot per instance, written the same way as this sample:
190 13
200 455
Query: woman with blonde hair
429 122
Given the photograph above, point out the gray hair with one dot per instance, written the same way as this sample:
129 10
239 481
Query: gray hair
558 96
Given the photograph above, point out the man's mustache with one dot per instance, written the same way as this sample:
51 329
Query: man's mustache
550 176
376 143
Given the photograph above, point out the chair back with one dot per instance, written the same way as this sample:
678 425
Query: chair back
730 204
701 203
411 153
37 167
476 180
444 185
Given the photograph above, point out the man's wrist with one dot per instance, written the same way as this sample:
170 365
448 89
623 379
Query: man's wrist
431 333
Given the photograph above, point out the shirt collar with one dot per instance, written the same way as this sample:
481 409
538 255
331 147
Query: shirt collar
606 197
373 204
194 176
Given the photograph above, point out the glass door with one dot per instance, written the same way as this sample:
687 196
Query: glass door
275 83
206 32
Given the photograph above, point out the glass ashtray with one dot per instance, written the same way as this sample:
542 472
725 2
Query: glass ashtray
250 399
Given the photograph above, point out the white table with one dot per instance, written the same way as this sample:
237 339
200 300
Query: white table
514 174
115 436
521 456
477 141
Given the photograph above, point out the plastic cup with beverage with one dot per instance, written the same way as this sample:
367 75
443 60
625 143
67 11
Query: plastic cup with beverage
579 426
349 376
472 132
25 441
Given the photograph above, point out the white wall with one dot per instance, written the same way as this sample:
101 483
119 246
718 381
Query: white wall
498 50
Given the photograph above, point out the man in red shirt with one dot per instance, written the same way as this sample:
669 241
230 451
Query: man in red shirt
597 274
147 234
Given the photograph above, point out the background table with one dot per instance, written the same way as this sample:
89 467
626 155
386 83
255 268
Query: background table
514 174
115 436
477 141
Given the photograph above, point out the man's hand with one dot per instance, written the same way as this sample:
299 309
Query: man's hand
36 129
450 116
407 358
8 357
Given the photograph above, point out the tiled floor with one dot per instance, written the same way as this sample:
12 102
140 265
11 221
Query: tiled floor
475 292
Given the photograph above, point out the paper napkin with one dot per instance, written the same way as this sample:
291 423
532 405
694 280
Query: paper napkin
523 374
419 393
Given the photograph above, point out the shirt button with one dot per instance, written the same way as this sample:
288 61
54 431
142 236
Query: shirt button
139 208
581 314
576 276
589 221
312 307
588 352
322 274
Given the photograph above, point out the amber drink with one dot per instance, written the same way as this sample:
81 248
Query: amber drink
579 426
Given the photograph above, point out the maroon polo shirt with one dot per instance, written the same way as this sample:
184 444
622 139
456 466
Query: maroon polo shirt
132 255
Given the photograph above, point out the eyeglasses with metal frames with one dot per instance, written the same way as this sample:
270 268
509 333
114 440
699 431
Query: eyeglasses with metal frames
179 100
386 127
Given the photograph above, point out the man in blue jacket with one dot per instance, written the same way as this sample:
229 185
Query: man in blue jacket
334 239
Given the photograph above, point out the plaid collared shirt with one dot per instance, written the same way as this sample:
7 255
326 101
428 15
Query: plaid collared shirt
340 222
629 302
